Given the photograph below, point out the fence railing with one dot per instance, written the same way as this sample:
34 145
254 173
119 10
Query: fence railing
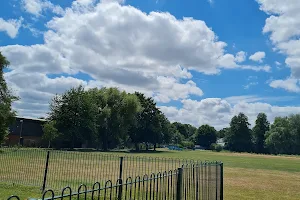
56 169
201 181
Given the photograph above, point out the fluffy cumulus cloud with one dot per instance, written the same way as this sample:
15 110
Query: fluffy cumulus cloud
258 56
218 112
37 7
36 90
117 46
229 61
11 26
240 56
289 84
283 27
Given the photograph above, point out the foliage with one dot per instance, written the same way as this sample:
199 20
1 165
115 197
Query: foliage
216 147
206 135
186 130
188 144
108 118
7 115
238 137
259 131
152 126
221 133
50 132
284 134
74 114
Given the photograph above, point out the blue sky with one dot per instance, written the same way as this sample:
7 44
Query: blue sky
230 56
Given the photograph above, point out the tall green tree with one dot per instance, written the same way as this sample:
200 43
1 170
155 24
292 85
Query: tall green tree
74 114
206 135
283 136
294 125
259 132
7 115
50 132
151 123
238 137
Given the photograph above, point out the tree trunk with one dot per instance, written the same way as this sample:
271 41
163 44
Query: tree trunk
49 144
155 147
137 146
147 147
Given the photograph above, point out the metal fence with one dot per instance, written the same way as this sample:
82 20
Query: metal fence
56 169
201 181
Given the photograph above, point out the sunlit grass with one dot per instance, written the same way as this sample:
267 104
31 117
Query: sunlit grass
246 176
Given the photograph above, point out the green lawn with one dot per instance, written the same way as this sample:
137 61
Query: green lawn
246 176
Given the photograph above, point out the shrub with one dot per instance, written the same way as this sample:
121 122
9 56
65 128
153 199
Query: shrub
188 144
216 147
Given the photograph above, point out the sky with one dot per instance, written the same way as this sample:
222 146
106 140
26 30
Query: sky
203 61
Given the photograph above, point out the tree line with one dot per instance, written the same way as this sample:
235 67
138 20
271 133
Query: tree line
281 137
107 118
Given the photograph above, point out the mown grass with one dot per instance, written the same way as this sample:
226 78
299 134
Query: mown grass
246 176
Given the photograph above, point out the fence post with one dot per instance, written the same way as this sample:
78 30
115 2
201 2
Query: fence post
120 179
179 184
221 183
46 171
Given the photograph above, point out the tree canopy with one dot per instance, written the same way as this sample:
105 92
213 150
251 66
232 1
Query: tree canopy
259 131
206 135
7 115
107 118
238 137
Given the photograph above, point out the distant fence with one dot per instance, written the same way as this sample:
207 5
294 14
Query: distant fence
201 181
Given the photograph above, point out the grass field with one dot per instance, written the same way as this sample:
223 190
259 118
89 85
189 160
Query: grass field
246 176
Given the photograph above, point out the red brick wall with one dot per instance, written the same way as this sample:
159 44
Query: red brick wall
28 140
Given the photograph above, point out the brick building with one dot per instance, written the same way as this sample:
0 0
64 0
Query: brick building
29 129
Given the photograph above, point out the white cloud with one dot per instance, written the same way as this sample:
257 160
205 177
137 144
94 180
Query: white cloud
258 56
283 27
290 84
218 112
117 46
228 61
250 85
36 91
36 7
11 26
240 56
277 63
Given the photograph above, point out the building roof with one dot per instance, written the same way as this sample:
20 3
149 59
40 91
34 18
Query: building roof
29 118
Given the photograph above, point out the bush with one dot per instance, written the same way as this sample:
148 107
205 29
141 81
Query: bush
188 144
216 147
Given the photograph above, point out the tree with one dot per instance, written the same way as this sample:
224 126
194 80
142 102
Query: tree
206 135
238 137
151 123
221 133
280 141
74 114
294 126
186 130
50 132
259 131
7 115
283 136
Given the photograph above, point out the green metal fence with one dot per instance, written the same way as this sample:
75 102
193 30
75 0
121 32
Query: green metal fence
190 182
